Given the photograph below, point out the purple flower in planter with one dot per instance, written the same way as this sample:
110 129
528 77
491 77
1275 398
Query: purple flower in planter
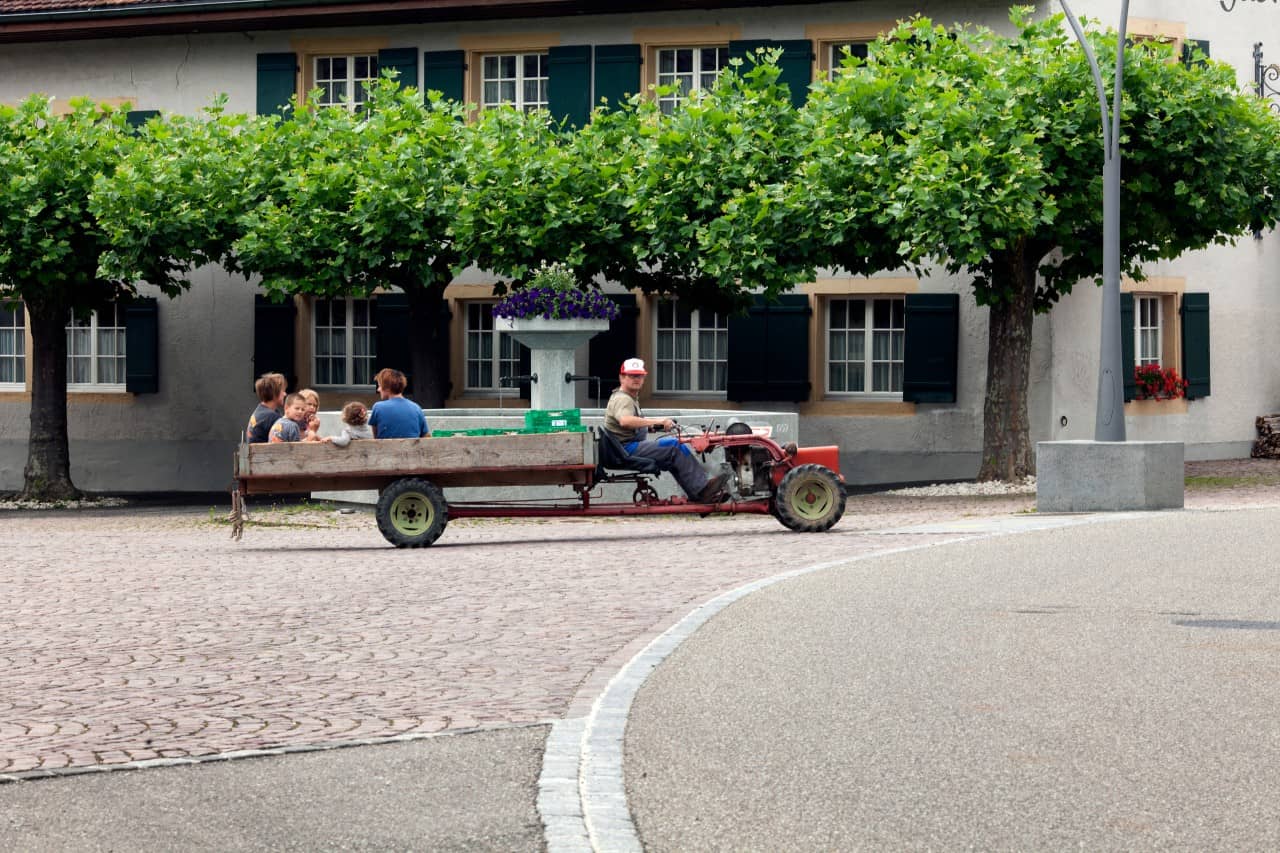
553 294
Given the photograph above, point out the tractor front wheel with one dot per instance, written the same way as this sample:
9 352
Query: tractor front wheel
809 499
412 513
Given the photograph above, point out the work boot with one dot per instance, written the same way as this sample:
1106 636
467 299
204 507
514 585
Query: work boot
713 491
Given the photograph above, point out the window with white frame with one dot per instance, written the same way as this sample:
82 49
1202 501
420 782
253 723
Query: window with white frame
344 341
96 350
13 345
342 80
688 69
1147 346
865 337
515 79
835 54
692 349
491 354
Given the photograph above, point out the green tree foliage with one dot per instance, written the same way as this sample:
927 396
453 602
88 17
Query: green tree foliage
50 246
175 198
360 200
705 194
536 193
984 154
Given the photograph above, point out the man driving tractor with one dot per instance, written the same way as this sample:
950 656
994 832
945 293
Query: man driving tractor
627 423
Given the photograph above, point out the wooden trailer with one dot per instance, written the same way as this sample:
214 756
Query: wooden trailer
799 486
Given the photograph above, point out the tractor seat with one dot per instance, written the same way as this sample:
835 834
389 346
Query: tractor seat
613 455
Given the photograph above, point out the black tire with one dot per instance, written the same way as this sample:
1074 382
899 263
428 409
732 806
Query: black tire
810 499
412 513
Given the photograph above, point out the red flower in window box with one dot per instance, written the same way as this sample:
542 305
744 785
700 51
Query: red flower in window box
1158 383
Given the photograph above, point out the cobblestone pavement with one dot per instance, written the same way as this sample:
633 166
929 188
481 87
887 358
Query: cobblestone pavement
136 634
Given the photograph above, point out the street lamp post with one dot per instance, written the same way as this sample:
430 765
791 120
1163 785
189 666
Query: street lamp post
1109 423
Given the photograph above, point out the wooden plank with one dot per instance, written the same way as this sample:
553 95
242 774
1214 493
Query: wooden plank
400 457
445 479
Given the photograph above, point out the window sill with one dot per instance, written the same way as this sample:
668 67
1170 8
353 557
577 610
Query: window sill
1155 408
863 408
98 396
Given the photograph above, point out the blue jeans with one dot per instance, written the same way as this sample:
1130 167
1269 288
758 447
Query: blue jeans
675 457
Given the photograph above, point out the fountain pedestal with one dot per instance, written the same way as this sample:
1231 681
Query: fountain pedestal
551 346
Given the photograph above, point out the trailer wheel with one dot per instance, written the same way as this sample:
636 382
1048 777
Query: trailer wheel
809 499
412 513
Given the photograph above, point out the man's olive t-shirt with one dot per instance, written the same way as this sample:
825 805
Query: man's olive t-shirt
621 403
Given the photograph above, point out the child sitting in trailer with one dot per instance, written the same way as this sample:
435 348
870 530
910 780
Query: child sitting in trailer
355 424
291 426
270 388
311 430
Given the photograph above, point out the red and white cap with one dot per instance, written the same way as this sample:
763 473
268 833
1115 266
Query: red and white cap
633 367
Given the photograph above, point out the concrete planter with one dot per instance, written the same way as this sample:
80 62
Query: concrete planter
1109 476
551 344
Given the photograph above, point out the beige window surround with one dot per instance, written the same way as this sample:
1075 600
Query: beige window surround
479 45
1154 29
307 49
825 35
653 39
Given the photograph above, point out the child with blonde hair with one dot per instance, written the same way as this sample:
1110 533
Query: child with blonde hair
311 430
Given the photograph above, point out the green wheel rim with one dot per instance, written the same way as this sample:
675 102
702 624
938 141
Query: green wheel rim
812 500
412 514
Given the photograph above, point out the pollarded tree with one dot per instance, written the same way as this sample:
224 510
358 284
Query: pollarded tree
51 243
704 193
174 200
360 200
537 191
987 158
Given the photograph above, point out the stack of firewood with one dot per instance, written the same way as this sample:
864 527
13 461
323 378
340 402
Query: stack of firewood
1268 444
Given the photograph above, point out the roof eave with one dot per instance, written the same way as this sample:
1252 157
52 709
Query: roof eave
242 15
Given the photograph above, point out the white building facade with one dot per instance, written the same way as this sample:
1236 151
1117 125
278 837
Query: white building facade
837 351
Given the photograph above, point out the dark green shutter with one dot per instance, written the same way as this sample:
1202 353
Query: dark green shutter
569 83
277 81
617 73
273 338
608 350
1127 359
931 347
391 317
403 60
1189 58
142 346
445 72
526 368
137 118
1195 343
769 351
795 65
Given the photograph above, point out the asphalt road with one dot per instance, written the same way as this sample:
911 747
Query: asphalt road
1106 686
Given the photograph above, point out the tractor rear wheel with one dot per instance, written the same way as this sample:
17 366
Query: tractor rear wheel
809 499
412 513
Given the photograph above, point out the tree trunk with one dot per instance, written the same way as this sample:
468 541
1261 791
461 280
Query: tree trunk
429 347
1006 437
48 472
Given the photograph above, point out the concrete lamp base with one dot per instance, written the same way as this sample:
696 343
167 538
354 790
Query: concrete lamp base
1108 476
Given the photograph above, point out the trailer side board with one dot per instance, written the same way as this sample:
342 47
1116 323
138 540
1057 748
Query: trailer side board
498 460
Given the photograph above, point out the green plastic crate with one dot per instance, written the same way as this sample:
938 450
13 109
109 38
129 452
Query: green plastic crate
444 433
548 430
550 420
